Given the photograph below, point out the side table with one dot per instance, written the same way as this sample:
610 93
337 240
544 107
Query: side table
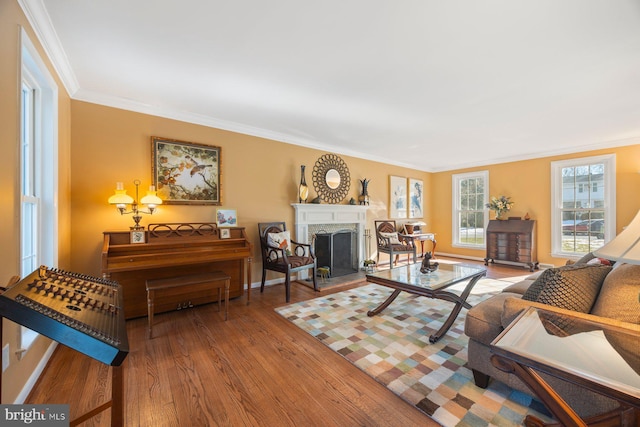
563 346
422 237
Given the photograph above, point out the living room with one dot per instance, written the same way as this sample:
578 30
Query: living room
99 145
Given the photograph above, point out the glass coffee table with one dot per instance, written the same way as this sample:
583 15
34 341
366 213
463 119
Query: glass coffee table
601 357
409 279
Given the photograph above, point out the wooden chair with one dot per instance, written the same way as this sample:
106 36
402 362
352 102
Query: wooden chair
301 256
393 243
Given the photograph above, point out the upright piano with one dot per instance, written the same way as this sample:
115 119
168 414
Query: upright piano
175 249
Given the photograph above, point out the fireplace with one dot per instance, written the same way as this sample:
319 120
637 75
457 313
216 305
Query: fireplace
338 251
314 219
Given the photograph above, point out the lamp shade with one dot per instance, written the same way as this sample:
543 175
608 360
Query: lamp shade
625 247
120 197
151 198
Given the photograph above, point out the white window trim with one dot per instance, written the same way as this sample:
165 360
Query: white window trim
35 72
455 229
609 161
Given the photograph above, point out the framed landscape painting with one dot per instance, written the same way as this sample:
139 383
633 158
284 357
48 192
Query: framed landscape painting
186 173
397 197
416 202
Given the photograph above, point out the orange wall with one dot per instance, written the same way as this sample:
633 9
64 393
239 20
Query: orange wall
259 177
11 20
528 183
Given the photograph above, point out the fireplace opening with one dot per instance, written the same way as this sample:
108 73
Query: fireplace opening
337 251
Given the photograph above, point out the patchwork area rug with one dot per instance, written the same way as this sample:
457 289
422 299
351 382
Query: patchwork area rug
394 348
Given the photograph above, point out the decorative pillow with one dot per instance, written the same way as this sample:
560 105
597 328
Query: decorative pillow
573 287
620 294
281 240
600 261
585 259
393 238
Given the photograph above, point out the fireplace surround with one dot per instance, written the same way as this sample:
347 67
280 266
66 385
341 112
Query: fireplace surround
312 218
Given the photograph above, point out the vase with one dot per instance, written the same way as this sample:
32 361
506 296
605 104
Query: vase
303 190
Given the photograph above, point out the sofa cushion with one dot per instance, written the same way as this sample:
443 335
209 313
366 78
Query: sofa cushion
574 287
484 320
519 287
619 295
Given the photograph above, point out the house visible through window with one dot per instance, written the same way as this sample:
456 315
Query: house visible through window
38 168
582 220
469 213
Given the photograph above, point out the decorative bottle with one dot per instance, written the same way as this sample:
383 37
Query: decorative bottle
303 190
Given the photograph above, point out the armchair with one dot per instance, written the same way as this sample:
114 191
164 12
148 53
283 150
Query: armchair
283 255
393 243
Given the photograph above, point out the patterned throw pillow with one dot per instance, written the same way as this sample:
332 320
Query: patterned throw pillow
574 287
393 238
281 240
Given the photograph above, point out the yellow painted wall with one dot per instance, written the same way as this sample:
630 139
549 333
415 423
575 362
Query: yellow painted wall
260 177
11 19
100 146
528 183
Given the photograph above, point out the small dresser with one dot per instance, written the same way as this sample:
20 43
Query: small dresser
512 241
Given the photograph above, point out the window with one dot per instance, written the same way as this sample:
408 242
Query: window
582 220
38 167
469 213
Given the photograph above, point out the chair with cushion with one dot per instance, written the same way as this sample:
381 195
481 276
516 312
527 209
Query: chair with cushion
393 243
283 255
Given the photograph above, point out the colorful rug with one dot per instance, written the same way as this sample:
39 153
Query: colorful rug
394 348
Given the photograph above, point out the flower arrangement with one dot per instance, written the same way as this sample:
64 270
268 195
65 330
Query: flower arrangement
500 205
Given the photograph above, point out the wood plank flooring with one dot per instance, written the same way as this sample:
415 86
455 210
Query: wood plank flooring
256 369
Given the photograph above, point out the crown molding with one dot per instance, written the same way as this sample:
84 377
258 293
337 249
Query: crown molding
601 145
204 120
37 15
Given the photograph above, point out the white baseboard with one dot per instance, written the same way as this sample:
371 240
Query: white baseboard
35 375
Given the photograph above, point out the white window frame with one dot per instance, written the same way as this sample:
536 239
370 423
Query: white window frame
609 161
456 208
41 133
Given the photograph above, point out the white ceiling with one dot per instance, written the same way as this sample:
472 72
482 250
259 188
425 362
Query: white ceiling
428 84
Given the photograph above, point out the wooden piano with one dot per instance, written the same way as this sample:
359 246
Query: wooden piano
174 249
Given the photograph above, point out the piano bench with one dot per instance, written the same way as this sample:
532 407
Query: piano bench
189 283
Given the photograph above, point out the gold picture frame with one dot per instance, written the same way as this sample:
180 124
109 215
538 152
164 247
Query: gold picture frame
186 173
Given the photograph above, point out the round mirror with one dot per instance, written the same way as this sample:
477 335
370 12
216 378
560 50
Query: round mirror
332 179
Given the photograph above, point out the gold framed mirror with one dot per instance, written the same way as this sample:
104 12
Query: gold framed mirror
331 178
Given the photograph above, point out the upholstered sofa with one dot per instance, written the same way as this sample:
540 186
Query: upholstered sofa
586 288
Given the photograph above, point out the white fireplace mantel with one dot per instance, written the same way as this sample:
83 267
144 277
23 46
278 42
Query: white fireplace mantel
311 213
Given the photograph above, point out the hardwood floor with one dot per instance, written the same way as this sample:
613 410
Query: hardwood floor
256 369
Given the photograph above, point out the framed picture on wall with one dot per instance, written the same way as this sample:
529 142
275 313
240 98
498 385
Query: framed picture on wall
226 218
397 197
416 202
186 173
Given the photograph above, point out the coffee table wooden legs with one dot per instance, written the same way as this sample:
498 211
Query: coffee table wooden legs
385 304
459 301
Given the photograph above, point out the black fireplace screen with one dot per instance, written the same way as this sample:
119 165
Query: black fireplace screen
337 251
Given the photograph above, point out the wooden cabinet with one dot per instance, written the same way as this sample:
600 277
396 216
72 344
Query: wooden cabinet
512 242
